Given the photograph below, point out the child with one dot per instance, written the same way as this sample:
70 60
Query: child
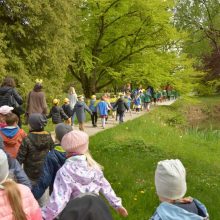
170 181
17 201
4 110
67 108
80 174
147 100
12 135
102 108
92 107
137 103
121 106
57 113
80 108
52 163
35 147
128 101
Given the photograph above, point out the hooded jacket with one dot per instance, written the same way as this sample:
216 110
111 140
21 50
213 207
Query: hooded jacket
12 137
33 151
5 93
121 105
102 108
57 115
80 108
52 163
172 212
74 178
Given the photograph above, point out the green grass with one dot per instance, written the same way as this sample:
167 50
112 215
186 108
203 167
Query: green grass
130 153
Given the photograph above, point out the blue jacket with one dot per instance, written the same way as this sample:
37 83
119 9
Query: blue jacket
169 211
18 173
92 105
52 163
103 108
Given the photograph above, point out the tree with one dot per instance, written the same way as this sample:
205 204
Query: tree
201 19
37 41
115 35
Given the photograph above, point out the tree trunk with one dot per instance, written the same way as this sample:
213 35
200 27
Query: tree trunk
89 87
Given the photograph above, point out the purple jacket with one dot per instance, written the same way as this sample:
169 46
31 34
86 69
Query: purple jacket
74 178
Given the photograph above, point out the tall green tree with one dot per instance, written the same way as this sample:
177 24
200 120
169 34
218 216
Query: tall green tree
201 18
36 39
116 34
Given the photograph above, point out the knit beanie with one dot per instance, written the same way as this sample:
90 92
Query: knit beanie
4 169
170 179
37 121
87 207
5 109
62 129
75 142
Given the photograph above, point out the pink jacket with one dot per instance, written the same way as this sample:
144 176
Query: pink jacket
30 205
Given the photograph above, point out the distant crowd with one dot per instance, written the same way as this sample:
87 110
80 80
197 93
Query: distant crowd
42 178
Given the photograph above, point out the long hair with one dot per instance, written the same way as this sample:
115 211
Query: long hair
92 162
8 81
14 198
71 90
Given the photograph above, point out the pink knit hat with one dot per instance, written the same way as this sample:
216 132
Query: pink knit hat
75 142
5 109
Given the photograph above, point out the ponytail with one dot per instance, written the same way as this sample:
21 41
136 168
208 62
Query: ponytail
92 162
14 198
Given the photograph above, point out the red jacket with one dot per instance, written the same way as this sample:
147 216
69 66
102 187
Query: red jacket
12 145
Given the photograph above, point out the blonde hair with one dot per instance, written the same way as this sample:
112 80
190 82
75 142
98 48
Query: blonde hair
92 162
15 200
71 90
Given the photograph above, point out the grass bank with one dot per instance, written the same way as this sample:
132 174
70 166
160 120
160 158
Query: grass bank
130 153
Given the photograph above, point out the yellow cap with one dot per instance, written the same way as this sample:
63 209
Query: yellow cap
66 100
93 96
56 101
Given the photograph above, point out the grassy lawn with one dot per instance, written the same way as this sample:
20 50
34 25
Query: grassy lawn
130 153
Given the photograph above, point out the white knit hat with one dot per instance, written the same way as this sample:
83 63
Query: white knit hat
170 179
4 169
5 109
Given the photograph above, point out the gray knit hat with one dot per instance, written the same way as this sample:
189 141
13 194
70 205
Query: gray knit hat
62 129
4 169
37 121
170 179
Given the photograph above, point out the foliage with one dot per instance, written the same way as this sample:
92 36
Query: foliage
36 40
126 41
201 19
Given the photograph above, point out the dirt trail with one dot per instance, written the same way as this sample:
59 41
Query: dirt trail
90 130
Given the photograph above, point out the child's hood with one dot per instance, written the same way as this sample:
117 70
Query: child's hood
79 104
78 168
172 212
10 132
40 139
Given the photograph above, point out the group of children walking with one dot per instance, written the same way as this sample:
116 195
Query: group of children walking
73 177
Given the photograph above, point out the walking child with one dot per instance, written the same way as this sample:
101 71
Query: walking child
93 108
121 107
57 113
79 175
80 108
12 135
170 182
34 148
137 103
102 108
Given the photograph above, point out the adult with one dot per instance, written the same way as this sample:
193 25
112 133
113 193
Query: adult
36 101
72 96
10 97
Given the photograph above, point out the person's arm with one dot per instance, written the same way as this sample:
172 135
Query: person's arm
23 151
17 97
87 109
50 114
63 115
59 198
46 178
20 175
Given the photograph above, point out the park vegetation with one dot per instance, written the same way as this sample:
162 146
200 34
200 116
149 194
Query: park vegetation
101 44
